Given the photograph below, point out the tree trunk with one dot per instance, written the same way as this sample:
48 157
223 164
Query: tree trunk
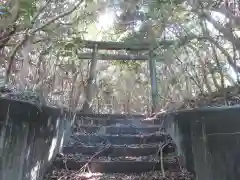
205 73
220 71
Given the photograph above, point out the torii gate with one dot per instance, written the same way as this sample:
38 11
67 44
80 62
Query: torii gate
101 45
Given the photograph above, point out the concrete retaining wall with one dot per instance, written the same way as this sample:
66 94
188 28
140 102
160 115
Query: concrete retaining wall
209 141
30 138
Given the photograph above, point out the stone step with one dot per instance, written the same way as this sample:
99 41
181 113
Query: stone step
110 116
123 129
115 166
115 151
92 139
107 122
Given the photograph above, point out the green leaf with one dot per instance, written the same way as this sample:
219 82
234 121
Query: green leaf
27 10
69 46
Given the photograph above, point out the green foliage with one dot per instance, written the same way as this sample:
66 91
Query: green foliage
27 10
130 65
66 49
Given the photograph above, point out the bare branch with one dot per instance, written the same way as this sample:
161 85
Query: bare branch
6 36
40 11
228 56
11 58
58 17
228 34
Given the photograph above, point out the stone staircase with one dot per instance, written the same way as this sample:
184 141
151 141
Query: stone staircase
117 144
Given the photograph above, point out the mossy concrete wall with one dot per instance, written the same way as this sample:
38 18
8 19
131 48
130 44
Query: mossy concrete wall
209 141
30 138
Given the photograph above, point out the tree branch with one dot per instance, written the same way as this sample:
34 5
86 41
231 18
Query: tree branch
40 11
57 17
224 30
183 41
11 58
6 36
228 56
